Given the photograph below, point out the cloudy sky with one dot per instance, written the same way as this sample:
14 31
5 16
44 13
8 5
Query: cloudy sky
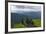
15 9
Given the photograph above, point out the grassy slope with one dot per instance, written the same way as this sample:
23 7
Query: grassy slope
36 22
18 25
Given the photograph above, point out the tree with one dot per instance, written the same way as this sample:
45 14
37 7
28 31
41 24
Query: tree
22 21
27 20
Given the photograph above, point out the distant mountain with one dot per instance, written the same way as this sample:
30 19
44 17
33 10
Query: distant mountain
33 14
18 16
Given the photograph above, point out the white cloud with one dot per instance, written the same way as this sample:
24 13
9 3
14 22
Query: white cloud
33 8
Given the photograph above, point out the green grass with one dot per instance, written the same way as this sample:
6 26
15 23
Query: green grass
36 22
18 25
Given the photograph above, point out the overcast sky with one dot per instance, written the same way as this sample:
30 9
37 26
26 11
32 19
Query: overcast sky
32 8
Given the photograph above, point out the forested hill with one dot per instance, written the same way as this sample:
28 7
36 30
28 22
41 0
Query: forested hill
30 15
